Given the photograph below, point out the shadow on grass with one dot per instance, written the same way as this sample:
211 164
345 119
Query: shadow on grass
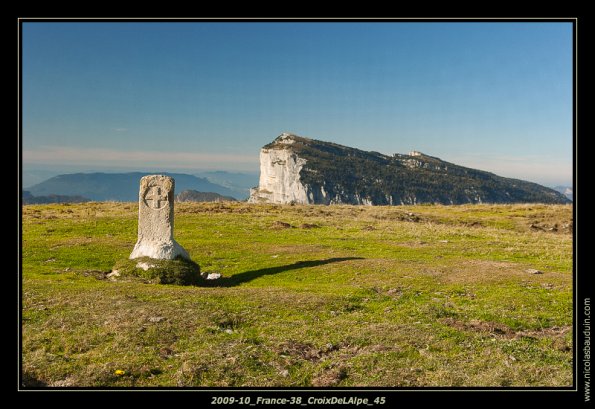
254 274
30 381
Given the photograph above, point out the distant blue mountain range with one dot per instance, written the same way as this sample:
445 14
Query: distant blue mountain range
121 187
566 191
239 183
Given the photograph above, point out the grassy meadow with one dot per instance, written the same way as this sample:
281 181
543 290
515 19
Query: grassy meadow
325 296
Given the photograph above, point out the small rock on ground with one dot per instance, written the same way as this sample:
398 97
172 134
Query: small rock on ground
144 266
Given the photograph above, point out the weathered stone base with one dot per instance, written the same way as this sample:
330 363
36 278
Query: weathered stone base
180 271
164 250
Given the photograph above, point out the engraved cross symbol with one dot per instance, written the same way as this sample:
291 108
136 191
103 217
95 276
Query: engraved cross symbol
156 197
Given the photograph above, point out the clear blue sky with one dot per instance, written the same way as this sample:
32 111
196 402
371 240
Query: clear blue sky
496 96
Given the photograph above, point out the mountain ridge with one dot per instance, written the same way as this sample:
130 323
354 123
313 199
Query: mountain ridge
100 186
194 196
309 171
28 198
567 191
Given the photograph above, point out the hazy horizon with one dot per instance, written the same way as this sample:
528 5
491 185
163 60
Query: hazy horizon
55 169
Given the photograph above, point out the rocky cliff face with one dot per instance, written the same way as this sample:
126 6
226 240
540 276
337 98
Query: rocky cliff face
280 180
299 170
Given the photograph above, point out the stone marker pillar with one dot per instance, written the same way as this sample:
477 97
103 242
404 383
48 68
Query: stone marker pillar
156 220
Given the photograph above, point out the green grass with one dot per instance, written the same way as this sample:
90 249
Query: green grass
310 296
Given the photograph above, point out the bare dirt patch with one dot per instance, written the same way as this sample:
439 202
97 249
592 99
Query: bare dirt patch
301 351
397 215
330 377
309 226
503 331
279 225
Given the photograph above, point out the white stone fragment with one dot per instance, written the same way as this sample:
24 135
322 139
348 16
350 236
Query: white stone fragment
144 266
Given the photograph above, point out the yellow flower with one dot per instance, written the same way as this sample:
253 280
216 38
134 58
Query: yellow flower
119 372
